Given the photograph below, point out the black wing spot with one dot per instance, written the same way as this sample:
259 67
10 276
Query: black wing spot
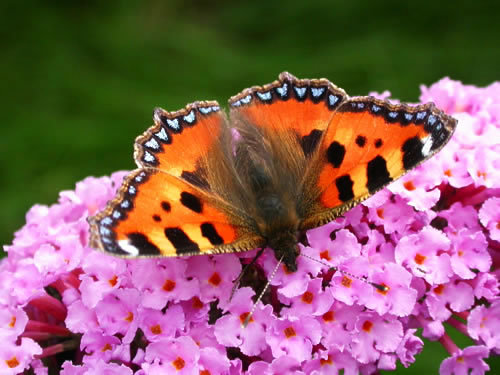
191 201
377 174
209 231
412 152
142 243
310 142
335 154
166 206
378 143
181 241
361 140
344 186
157 218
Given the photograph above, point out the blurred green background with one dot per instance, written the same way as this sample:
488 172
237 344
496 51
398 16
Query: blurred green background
79 79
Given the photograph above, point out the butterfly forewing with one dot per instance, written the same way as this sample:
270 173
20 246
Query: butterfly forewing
368 144
179 141
289 105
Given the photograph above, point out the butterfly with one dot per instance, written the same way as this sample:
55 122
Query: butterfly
287 157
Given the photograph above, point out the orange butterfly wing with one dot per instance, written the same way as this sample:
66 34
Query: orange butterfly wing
368 144
166 207
178 141
289 104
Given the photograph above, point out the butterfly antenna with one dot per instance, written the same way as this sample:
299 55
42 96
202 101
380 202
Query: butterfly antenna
252 310
377 286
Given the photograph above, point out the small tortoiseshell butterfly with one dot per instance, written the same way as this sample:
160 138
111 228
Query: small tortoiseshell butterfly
290 156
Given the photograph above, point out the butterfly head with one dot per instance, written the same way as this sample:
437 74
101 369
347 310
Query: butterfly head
286 248
278 222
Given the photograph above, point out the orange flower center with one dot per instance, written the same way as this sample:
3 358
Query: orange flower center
205 372
12 322
380 213
439 289
243 317
367 326
325 255
347 282
106 347
409 185
179 363
289 332
129 317
215 279
13 362
169 285
307 297
419 259
156 329
384 291
329 316
327 361
113 280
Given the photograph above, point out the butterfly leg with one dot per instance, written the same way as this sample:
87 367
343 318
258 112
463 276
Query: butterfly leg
302 238
236 282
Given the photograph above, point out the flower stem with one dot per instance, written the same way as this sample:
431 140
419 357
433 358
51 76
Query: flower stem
462 315
448 344
459 326
59 348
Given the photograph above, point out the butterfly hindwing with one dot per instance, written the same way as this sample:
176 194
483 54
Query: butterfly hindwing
368 144
157 214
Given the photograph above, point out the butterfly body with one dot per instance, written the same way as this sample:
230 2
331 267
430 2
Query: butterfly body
276 214
288 157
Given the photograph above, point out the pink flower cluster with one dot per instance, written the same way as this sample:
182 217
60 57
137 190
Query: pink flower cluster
432 238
